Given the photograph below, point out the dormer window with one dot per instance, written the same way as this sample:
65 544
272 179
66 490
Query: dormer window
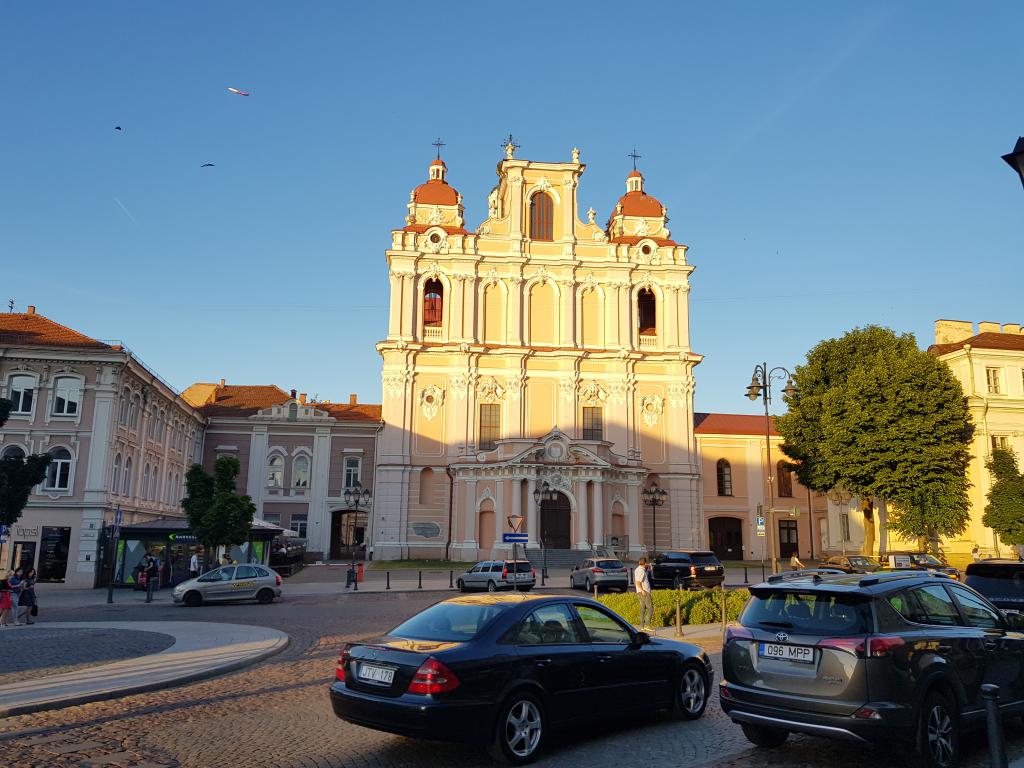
646 306
542 217
433 302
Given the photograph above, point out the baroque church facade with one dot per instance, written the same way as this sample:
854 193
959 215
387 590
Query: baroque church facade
541 351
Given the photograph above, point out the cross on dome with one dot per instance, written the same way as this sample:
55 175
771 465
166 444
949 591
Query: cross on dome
438 144
510 148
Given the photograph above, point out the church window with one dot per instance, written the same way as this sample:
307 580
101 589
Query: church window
785 480
645 312
542 217
724 472
433 301
490 426
593 424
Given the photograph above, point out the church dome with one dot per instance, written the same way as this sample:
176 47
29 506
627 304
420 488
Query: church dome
436 191
636 202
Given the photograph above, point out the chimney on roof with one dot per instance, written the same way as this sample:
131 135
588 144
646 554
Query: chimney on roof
987 327
302 398
353 400
31 309
952 331
222 382
293 394
1011 328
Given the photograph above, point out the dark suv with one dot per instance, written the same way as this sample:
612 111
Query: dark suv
884 657
689 570
1001 581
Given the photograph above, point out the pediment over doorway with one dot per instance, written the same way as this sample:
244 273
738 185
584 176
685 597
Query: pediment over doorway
557 448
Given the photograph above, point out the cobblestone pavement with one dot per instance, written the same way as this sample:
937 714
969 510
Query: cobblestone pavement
277 714
38 651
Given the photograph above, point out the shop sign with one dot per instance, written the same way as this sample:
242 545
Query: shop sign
23 531
182 537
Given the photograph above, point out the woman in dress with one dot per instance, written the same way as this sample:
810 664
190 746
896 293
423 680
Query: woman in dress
6 603
27 598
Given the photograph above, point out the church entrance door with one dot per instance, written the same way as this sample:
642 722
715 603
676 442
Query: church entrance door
555 519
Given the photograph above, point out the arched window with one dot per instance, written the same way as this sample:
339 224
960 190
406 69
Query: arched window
133 412
300 472
646 318
58 473
21 391
785 480
433 302
724 478
275 472
542 217
122 417
12 452
293 411
145 483
126 477
67 395
115 483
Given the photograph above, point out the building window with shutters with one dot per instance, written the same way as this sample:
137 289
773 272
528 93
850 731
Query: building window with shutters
542 217
724 473
490 426
593 424
1000 443
785 480
992 378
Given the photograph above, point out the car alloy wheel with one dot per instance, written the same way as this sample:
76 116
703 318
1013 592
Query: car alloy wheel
693 693
265 596
461 585
523 728
940 733
586 585
192 599
492 587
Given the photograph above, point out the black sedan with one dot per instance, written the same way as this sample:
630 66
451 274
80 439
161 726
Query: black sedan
504 670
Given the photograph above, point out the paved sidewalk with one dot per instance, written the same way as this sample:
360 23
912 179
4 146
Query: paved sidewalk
200 650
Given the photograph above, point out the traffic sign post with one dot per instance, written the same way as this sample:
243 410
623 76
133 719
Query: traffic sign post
115 534
513 538
515 522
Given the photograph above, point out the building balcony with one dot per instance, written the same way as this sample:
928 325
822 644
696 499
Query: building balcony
432 333
648 341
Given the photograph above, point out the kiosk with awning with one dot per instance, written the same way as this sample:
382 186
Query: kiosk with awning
172 542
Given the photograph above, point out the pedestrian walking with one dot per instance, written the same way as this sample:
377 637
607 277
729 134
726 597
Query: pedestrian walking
27 599
795 564
152 577
643 593
15 582
225 560
6 599
976 553
193 565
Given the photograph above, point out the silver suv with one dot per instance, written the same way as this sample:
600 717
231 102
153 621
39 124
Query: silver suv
889 658
494 575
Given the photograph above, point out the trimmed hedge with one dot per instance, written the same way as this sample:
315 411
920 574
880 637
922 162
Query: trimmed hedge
703 607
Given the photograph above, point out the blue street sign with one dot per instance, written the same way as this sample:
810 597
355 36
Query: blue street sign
760 520
514 538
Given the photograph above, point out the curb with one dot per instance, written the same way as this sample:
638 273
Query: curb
114 693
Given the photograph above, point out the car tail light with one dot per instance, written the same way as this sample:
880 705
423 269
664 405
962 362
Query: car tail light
693 570
433 677
277 579
343 659
533 573
851 645
597 570
882 645
867 713
735 632
724 692
504 572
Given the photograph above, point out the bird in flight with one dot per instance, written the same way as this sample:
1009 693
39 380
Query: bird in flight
207 165
117 128
240 93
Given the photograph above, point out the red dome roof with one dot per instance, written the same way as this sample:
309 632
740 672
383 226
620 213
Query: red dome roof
639 204
440 162
435 192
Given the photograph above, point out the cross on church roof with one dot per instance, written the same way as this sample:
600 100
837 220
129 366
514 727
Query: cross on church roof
438 144
635 155
510 147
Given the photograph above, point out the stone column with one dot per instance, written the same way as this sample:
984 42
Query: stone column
256 478
395 316
532 516
633 524
470 512
599 513
582 526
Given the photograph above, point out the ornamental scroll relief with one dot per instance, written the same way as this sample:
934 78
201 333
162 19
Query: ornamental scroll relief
651 407
431 398
592 393
394 383
490 391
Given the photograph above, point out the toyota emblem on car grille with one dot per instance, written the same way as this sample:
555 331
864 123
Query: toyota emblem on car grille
782 637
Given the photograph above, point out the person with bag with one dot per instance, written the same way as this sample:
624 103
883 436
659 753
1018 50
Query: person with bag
152 577
6 600
27 599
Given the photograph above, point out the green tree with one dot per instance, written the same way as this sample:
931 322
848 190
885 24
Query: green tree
1004 512
18 476
217 514
877 416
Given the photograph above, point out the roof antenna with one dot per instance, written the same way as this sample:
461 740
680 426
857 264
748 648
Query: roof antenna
10 306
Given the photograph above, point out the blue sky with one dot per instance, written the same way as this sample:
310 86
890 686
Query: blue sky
829 164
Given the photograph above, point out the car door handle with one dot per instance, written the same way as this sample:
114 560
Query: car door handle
604 659
541 662
944 648
990 645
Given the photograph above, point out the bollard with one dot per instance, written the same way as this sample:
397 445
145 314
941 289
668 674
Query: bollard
543 577
388 574
451 575
996 742
723 610
679 617
595 590
745 579
420 585
763 577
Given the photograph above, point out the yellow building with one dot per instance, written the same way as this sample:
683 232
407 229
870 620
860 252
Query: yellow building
540 348
989 363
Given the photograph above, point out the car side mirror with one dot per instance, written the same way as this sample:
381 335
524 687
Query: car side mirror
641 638
1014 620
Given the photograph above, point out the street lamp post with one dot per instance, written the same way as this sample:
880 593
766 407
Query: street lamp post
356 498
543 493
761 386
1015 159
841 499
655 497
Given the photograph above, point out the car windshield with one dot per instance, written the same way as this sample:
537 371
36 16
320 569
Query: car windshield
926 560
449 622
999 585
860 561
705 558
808 613
520 566
609 564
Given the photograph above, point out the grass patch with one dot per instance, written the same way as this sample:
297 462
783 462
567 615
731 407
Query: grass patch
703 607
421 565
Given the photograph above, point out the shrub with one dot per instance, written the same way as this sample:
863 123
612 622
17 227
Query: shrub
705 611
628 607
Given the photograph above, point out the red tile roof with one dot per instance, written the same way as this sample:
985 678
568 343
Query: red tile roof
639 204
730 424
1010 341
237 400
346 412
436 192
34 330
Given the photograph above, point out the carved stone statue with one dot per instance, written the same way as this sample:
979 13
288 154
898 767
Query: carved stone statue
492 204
575 154
590 215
